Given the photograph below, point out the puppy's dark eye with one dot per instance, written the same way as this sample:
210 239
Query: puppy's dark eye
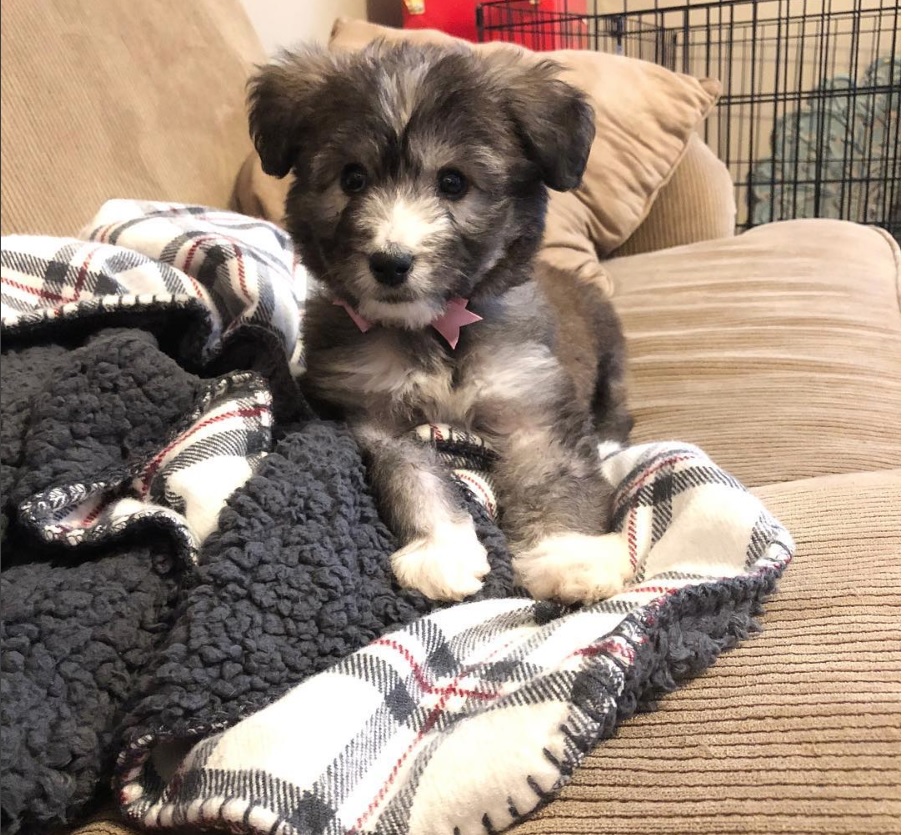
452 183
353 179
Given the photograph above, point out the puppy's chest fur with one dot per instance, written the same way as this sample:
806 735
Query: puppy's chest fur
403 378
386 379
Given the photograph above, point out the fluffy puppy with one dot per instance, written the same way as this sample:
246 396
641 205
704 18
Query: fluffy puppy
421 177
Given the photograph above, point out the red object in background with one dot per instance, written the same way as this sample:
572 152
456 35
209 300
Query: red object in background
458 18
455 17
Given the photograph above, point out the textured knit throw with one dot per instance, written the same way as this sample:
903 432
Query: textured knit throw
196 585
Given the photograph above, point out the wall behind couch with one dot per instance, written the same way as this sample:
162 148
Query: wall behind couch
282 23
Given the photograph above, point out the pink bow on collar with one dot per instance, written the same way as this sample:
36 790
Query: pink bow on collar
447 325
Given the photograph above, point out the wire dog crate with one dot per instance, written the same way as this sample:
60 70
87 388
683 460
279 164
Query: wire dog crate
808 122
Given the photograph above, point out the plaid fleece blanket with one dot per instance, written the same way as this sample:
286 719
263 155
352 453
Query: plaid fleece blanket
198 604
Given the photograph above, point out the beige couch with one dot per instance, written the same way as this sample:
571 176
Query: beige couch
777 351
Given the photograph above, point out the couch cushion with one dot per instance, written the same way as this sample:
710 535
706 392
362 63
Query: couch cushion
697 203
645 118
777 351
796 731
107 99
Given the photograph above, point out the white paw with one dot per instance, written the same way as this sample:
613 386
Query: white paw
447 565
607 448
574 567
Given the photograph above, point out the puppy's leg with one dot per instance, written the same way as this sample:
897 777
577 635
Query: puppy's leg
556 506
610 400
590 347
441 556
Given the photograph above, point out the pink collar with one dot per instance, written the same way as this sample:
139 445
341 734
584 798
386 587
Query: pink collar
447 325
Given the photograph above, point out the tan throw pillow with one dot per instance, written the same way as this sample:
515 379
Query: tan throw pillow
258 194
697 203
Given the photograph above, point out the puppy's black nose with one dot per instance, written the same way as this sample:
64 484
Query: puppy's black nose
390 269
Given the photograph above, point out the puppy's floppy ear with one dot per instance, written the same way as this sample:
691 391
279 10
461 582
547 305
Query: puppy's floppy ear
554 119
282 100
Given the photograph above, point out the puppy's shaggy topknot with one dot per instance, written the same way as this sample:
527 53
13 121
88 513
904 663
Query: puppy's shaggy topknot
301 90
421 176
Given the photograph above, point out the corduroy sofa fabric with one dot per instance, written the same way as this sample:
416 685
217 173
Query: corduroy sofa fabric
777 351
795 731
106 824
106 99
700 181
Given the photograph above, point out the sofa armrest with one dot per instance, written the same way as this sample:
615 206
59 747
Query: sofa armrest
776 351
696 204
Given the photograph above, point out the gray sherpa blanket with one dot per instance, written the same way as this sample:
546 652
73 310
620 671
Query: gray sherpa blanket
197 603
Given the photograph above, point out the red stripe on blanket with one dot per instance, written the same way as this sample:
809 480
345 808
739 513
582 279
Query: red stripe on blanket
655 468
240 262
83 272
423 683
428 724
90 518
618 649
154 465
186 265
595 649
102 233
477 485
44 294
652 590
88 521
631 527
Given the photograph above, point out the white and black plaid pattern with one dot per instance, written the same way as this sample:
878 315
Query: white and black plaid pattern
233 270
469 457
183 486
469 718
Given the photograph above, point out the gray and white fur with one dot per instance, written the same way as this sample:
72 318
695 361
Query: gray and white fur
421 175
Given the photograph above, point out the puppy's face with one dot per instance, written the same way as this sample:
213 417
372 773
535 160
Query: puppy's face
420 172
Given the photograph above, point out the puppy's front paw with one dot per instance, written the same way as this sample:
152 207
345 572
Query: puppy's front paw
574 567
449 564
